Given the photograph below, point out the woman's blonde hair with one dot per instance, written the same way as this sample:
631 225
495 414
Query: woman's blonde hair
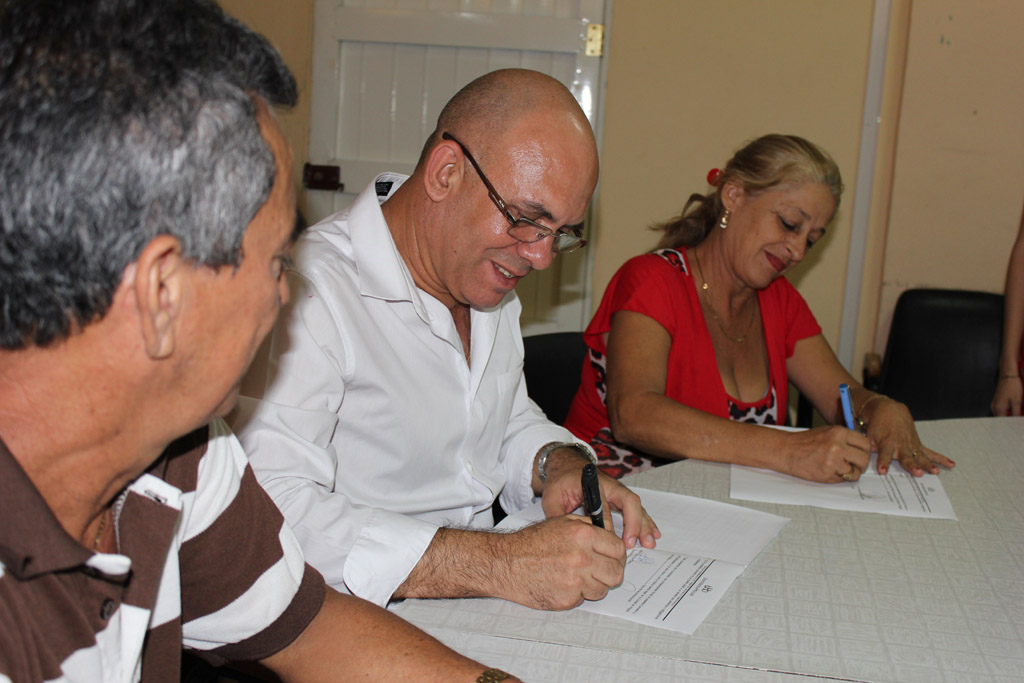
763 164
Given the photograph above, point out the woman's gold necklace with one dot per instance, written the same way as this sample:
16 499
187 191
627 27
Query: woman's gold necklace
707 298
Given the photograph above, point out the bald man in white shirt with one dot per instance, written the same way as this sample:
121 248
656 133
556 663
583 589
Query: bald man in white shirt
395 411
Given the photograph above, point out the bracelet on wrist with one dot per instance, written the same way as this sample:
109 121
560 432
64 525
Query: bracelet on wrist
1016 376
546 449
859 418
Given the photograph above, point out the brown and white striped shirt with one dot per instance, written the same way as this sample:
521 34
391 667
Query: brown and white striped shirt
204 560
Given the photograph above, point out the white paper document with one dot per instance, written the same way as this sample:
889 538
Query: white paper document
896 493
666 589
704 546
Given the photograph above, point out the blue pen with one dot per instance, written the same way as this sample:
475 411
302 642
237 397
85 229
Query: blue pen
844 398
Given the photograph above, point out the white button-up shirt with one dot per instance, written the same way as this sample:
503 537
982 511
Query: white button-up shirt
373 430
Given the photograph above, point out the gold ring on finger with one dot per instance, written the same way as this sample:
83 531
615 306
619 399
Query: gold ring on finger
847 477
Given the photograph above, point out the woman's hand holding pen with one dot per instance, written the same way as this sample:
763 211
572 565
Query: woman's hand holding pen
826 454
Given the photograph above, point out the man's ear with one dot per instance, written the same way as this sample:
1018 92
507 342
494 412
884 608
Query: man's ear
443 170
159 281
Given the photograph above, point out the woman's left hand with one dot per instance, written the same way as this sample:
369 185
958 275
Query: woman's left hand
892 433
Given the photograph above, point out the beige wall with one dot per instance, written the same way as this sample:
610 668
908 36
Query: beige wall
958 180
689 82
289 27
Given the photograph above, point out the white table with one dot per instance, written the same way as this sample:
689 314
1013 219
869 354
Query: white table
838 595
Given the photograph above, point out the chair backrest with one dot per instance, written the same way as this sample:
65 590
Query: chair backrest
552 364
942 357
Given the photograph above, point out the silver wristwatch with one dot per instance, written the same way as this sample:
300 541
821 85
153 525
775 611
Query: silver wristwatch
545 451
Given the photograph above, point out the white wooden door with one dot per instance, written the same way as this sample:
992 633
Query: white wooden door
383 69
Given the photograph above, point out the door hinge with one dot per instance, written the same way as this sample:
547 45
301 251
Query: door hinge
316 177
595 40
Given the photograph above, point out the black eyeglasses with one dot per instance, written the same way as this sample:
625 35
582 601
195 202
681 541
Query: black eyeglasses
568 239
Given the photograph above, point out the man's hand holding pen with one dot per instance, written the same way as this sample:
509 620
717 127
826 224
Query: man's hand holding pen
563 493
567 558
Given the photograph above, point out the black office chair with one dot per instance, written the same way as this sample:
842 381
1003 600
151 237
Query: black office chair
552 364
942 356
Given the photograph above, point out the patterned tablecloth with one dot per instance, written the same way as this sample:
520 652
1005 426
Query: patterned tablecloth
838 595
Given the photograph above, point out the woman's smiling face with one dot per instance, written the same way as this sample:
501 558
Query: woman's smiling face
774 229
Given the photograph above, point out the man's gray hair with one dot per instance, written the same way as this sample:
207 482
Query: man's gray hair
121 120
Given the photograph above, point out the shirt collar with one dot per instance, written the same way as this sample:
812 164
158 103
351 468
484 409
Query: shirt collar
32 541
383 273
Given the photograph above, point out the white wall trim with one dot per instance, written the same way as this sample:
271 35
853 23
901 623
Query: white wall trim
864 185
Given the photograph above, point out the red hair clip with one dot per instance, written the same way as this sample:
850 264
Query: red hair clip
713 176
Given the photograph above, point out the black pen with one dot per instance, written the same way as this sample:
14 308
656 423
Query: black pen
592 495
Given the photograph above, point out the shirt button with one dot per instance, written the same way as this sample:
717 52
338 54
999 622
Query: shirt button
107 609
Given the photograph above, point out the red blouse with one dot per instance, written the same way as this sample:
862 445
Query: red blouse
660 286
